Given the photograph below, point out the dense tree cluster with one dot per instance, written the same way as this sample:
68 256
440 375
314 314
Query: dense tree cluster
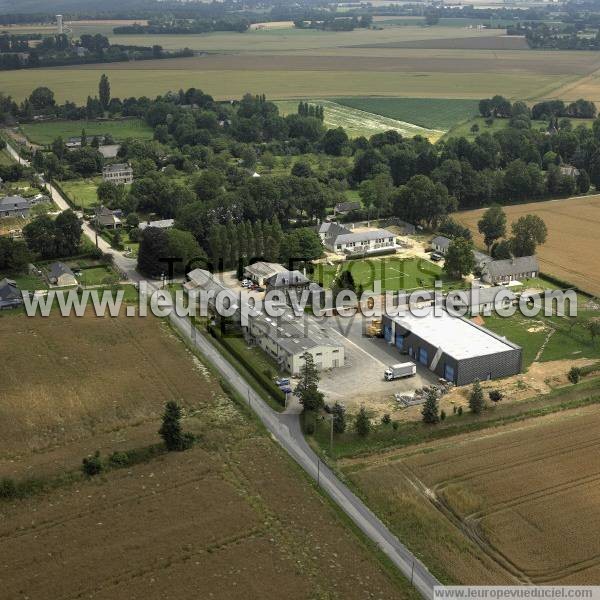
583 34
52 238
200 170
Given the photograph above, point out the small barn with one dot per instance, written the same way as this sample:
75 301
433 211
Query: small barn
61 275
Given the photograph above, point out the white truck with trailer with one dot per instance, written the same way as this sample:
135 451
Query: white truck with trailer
397 371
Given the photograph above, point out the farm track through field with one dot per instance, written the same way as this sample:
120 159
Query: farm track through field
472 523
511 569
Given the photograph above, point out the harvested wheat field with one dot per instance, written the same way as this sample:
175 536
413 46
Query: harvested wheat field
571 252
230 518
73 378
521 502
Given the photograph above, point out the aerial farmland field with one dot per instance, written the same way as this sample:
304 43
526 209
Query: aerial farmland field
230 518
430 113
570 252
293 63
495 507
357 122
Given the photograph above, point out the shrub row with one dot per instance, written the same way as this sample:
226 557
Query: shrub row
268 385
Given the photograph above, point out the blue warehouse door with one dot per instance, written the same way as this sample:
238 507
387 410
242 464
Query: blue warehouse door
387 332
423 357
449 372
399 341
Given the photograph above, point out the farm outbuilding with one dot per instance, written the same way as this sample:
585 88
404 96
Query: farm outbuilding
452 347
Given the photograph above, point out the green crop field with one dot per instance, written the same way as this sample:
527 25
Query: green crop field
81 192
431 113
45 133
393 273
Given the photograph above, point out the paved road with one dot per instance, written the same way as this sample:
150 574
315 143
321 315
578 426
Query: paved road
285 429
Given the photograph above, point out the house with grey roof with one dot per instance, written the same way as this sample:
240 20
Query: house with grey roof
481 300
104 217
328 232
61 275
287 279
162 224
204 288
481 259
342 208
10 294
118 173
441 244
511 269
291 283
17 206
344 240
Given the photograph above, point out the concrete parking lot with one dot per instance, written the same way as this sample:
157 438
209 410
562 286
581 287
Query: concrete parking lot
360 380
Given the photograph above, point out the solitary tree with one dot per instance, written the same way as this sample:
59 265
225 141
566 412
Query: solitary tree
492 225
460 260
362 424
430 410
339 418
528 231
170 430
476 399
104 91
307 389
574 375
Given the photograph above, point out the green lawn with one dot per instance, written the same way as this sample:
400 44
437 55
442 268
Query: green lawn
5 158
25 281
45 133
95 275
394 273
432 113
82 192
568 338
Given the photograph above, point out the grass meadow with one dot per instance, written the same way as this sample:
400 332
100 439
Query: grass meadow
82 192
45 133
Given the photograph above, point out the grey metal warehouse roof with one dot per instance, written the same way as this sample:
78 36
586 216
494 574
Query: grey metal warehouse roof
457 337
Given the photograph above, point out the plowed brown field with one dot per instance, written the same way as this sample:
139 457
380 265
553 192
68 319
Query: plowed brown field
525 499
572 251
230 519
